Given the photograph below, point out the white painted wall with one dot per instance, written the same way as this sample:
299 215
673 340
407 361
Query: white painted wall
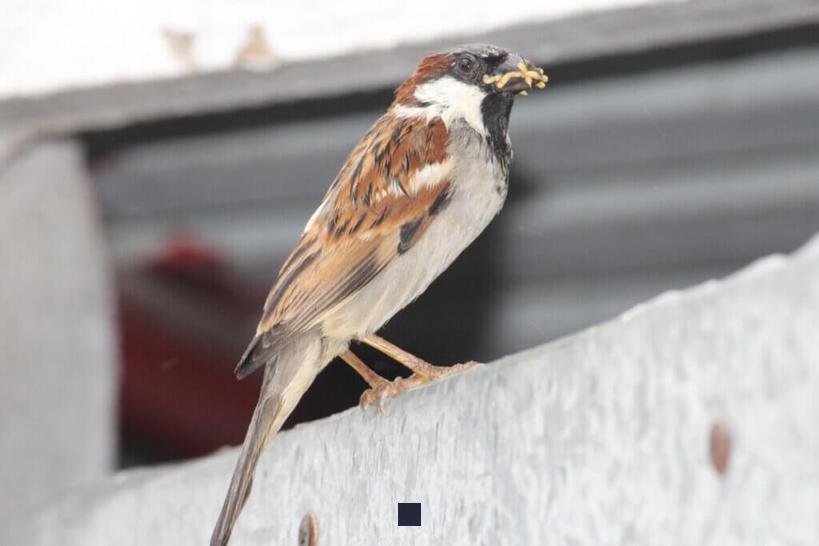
600 438
51 45
58 353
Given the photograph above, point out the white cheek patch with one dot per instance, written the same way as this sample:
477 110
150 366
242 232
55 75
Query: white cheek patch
449 99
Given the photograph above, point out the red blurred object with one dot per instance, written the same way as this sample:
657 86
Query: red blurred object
180 397
185 317
184 252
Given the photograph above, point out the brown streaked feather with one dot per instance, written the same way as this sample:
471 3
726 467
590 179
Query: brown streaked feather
374 210
334 267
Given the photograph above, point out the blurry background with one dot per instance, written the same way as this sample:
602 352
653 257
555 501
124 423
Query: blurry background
676 142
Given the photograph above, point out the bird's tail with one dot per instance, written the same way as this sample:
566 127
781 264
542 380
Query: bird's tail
284 383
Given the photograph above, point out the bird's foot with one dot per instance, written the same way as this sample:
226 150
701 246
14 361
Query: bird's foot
384 390
430 371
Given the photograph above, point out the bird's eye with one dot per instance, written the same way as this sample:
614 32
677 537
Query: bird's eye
466 65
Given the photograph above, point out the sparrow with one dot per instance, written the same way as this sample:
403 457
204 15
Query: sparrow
419 187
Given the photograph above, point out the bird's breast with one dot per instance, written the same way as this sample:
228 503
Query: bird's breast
478 190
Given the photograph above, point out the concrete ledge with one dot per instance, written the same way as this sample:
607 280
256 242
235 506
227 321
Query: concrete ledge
690 420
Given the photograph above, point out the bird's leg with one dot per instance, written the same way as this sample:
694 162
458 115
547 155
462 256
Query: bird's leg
380 389
374 380
422 370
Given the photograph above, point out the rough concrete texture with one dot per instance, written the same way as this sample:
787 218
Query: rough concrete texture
57 349
601 438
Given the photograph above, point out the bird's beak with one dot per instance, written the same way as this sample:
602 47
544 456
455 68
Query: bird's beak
516 75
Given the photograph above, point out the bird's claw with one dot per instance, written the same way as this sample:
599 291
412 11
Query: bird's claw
381 392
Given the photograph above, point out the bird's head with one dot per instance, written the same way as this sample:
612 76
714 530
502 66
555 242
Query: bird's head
469 82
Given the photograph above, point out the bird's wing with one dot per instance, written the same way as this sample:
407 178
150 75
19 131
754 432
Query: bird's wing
385 196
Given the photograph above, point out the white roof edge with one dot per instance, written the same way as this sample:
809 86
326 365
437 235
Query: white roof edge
563 40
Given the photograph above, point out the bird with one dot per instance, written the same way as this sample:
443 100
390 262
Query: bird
417 189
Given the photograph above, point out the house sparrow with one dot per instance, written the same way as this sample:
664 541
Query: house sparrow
420 186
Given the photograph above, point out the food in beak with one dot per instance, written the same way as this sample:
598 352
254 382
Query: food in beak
530 75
